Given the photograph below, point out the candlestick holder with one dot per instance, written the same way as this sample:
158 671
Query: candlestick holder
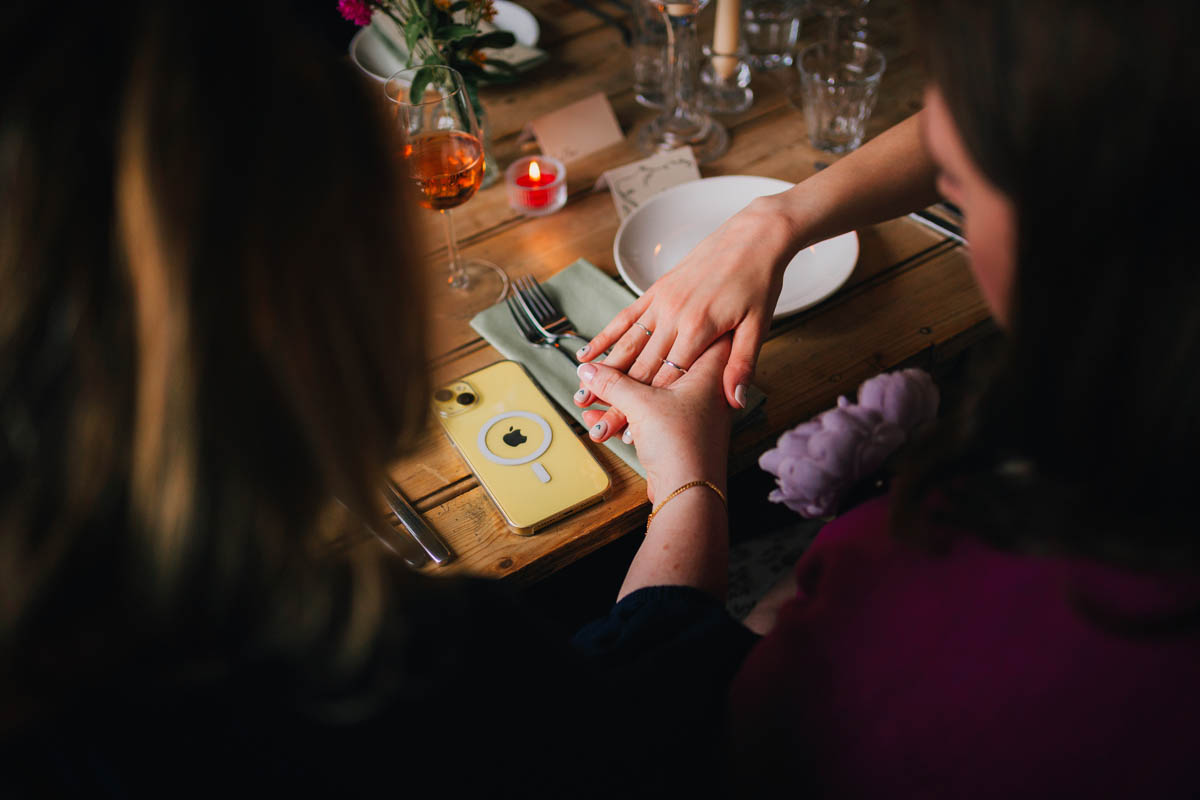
537 185
683 122
725 82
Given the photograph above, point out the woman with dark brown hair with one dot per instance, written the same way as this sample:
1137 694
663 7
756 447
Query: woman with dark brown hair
1020 615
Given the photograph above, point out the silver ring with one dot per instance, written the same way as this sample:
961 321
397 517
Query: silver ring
645 330
671 363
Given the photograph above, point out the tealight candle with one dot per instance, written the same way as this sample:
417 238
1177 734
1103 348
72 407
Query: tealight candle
537 185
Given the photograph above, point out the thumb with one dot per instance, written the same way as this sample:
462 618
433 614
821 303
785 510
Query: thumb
615 387
742 358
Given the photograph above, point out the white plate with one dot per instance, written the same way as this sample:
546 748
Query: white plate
374 57
657 235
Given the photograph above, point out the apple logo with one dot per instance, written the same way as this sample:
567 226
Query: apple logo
514 438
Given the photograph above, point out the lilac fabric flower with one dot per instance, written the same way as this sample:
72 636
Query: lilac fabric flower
818 462
357 11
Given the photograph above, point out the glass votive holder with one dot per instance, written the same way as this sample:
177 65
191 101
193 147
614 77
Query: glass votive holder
537 185
725 82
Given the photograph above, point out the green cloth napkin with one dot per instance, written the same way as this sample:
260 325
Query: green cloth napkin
590 299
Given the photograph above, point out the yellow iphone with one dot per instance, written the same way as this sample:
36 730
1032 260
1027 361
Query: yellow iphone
524 454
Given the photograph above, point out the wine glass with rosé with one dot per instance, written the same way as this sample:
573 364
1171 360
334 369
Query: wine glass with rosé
442 148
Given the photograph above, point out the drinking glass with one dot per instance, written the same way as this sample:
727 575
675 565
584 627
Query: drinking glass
682 121
839 85
771 29
442 146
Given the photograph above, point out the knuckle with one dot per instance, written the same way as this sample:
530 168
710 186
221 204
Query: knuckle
627 348
695 321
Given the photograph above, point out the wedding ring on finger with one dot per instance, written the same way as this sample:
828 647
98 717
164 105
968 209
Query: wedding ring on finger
645 330
671 363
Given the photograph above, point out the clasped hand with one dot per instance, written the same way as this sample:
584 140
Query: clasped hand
681 431
728 284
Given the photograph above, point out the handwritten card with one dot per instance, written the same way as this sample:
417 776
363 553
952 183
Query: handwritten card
573 131
634 184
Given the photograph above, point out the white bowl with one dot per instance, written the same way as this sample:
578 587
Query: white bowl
657 235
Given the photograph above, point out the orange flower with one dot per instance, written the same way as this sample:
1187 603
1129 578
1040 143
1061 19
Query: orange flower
488 10
444 5
478 57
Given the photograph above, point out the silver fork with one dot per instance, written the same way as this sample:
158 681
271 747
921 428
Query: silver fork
531 334
545 315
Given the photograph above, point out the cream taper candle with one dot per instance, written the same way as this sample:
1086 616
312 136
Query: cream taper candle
725 38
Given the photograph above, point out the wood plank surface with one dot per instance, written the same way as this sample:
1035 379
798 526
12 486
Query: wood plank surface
880 325
910 293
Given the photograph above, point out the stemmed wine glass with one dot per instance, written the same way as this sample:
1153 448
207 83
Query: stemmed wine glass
443 149
682 122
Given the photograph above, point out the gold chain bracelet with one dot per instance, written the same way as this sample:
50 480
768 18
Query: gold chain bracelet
683 489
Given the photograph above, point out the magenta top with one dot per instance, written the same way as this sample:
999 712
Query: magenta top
896 672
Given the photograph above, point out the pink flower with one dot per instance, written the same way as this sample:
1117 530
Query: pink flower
357 11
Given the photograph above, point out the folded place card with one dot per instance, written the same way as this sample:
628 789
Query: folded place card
576 130
634 184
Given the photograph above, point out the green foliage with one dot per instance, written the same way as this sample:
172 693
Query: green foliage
446 32
496 39
419 82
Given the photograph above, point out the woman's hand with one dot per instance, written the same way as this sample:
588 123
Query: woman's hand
681 431
729 283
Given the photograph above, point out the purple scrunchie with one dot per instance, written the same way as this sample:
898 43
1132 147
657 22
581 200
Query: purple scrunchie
816 463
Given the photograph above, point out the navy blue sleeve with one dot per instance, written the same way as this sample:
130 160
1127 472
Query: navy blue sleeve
670 652
665 624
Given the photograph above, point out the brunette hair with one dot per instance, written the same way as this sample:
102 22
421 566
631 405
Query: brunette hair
1086 438
211 336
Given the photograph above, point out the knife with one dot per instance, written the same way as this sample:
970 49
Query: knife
413 556
430 542
939 224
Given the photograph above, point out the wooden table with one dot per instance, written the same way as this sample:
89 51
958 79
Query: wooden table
911 298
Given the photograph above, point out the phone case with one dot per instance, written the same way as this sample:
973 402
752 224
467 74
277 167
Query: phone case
524 454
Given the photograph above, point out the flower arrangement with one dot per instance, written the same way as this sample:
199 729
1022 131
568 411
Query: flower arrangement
443 32
817 463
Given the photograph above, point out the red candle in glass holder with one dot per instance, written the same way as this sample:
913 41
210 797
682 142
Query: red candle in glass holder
536 185
533 179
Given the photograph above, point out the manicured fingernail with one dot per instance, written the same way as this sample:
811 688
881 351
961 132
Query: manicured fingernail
583 351
627 436
581 395
739 394
586 371
599 429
